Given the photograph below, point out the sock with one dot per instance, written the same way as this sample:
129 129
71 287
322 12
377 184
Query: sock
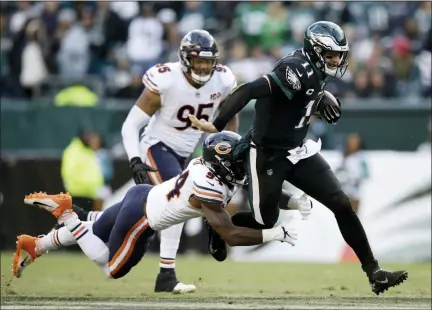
57 238
170 240
93 247
94 215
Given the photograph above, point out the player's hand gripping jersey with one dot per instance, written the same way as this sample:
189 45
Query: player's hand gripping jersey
170 124
169 203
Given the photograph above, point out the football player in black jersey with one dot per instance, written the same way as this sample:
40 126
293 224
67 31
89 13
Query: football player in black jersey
286 98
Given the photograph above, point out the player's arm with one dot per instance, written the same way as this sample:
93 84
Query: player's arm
234 103
239 98
233 124
139 116
147 104
221 222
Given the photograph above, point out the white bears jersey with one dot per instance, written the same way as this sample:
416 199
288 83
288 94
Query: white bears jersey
168 202
170 124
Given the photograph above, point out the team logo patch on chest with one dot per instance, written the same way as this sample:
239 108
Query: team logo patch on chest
292 79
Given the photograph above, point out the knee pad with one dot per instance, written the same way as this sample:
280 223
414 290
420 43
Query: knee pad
340 202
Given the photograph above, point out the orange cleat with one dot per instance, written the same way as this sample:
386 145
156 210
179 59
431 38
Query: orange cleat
56 204
24 255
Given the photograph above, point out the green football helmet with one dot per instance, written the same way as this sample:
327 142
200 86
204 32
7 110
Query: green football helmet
322 37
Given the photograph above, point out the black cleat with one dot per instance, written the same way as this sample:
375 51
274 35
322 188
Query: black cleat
167 282
382 280
216 245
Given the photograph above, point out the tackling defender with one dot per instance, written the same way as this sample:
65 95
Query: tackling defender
287 97
117 241
197 85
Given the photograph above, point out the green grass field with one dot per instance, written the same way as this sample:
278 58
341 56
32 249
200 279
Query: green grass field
62 281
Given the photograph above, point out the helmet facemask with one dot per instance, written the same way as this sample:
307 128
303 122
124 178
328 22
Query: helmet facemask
204 65
321 45
189 54
233 173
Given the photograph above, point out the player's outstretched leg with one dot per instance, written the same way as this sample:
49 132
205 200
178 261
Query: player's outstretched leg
130 234
61 207
28 248
166 280
83 215
314 176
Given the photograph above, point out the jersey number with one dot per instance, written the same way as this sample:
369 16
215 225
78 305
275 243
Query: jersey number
163 68
306 118
183 117
181 180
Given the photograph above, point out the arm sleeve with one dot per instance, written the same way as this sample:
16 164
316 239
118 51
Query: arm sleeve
135 120
239 98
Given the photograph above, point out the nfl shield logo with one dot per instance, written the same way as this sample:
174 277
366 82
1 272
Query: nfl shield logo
270 172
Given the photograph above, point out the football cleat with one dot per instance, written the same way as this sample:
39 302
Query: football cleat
382 280
167 282
24 255
56 204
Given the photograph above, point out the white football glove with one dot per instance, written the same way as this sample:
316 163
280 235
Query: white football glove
280 233
304 205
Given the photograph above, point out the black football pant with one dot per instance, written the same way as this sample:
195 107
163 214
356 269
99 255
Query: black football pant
269 168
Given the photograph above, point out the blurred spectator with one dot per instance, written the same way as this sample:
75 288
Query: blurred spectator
145 39
125 9
424 65
50 16
381 86
19 18
250 19
390 41
82 172
134 90
247 69
74 53
77 95
404 69
33 68
361 85
118 75
108 31
353 169
193 16
275 29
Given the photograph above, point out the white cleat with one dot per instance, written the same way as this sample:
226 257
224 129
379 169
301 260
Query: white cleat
182 288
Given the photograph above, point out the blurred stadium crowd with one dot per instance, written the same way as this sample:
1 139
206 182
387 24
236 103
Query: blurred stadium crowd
43 43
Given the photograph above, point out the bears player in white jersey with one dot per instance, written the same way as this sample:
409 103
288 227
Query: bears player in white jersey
117 241
197 85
